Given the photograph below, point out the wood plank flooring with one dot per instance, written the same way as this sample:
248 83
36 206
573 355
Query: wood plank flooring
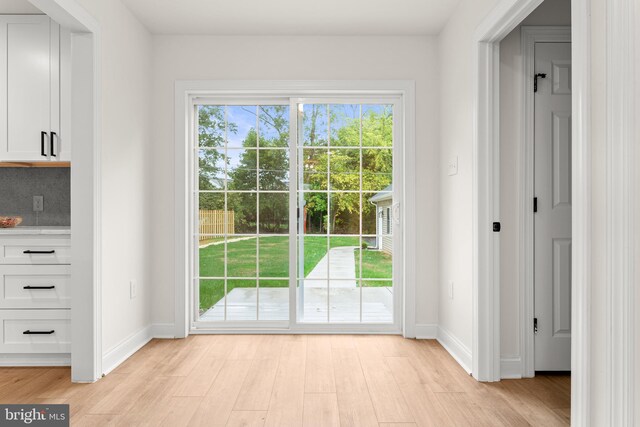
290 381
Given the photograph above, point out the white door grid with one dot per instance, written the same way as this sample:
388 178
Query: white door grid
293 221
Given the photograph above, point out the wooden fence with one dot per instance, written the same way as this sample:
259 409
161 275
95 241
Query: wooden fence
212 222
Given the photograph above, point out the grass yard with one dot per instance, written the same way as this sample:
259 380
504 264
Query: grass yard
274 263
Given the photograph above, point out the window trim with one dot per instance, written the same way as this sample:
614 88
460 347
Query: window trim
186 91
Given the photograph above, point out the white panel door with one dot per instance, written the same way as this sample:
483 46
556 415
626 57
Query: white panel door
29 72
553 216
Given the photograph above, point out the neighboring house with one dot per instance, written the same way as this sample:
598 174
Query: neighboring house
383 201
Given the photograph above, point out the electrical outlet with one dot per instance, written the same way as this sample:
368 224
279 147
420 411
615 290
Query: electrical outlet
451 289
133 289
38 203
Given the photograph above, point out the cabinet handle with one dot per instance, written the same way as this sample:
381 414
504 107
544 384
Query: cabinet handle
29 251
52 143
38 287
28 332
43 135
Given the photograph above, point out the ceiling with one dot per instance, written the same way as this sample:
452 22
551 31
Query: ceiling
293 17
17 6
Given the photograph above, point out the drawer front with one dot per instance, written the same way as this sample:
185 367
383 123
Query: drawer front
35 286
35 331
35 251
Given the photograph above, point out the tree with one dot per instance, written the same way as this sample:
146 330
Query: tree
376 126
374 157
272 166
211 137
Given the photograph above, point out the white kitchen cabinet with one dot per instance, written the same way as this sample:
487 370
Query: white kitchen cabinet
30 84
35 331
35 286
35 296
34 251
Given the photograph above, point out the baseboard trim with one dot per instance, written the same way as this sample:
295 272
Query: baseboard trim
121 352
510 368
425 331
164 330
35 359
456 348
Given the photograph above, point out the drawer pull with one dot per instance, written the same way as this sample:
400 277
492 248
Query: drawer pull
28 332
29 251
38 287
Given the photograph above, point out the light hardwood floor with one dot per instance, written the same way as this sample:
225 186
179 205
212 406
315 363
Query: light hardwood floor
292 380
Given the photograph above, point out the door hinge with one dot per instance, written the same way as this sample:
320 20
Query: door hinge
535 325
535 80
496 227
535 204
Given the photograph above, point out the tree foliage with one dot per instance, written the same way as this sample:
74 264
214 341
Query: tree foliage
344 167
263 164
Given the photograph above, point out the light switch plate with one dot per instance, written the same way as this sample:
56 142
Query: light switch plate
452 166
38 203
451 289
133 289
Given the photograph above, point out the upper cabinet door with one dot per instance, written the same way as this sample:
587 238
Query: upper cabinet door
29 88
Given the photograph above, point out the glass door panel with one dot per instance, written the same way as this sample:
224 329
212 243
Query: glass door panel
242 232
345 196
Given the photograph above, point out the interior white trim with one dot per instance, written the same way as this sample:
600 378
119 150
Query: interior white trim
317 329
581 212
621 143
163 330
86 230
185 90
511 368
529 37
125 348
426 331
456 348
506 16
35 359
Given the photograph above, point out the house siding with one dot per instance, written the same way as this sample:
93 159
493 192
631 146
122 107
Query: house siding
386 244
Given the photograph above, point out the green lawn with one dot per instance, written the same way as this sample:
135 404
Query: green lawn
274 262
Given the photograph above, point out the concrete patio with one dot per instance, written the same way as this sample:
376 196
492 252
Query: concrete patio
338 302
344 304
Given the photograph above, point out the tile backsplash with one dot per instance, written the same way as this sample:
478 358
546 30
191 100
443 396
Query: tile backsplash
19 185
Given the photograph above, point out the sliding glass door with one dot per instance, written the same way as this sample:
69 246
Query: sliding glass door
295 213
345 185
243 212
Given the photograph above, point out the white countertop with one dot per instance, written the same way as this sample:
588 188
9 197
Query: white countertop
36 230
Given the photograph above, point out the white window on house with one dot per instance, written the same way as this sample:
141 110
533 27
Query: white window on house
388 220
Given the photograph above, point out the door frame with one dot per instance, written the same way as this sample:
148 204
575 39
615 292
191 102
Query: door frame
185 90
530 35
506 16
83 100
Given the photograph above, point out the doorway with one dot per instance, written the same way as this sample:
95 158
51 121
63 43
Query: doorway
286 195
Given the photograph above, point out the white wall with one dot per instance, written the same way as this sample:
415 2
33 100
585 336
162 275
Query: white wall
284 58
551 12
126 209
456 135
